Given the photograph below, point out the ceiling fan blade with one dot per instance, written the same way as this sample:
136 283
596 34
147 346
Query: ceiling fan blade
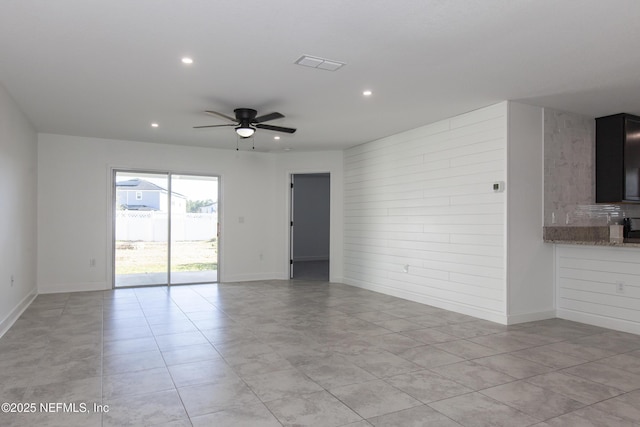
267 117
213 126
275 128
224 116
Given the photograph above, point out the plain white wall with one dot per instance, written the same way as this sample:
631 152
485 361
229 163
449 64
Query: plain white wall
529 260
74 215
18 179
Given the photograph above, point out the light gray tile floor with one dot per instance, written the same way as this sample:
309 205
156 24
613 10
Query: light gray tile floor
286 353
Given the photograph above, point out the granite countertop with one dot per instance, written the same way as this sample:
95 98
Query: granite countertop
586 236
595 243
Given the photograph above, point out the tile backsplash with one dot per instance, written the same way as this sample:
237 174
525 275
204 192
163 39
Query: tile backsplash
601 214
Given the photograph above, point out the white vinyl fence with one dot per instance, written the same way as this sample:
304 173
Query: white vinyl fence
151 226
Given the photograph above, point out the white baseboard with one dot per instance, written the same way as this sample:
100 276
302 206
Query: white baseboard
530 317
447 305
56 288
602 321
14 314
253 277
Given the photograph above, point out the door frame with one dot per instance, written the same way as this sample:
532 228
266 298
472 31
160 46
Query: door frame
111 223
289 207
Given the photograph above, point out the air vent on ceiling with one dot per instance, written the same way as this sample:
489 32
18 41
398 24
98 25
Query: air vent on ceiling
319 63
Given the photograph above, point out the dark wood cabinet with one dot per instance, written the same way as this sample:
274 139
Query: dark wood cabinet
618 159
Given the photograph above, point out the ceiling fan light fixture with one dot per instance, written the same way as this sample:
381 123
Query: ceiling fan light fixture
245 131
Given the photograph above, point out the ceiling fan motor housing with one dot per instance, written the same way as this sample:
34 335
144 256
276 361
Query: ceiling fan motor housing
245 115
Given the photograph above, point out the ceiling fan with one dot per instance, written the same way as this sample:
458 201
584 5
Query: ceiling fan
246 122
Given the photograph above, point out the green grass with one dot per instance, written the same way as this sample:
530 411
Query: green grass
196 266
151 257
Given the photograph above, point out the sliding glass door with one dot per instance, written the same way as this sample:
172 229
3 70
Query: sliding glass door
194 229
141 235
165 229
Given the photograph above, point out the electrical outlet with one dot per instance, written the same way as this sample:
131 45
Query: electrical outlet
405 269
620 287
12 280
92 262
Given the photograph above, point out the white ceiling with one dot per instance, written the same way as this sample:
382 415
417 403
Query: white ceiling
109 68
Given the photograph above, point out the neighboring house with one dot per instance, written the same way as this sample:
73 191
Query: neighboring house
140 195
212 208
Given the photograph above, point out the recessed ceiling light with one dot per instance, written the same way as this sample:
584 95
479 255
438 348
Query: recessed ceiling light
367 93
154 125
276 137
287 149
187 60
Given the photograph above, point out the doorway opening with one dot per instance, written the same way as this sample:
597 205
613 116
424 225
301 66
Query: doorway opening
165 228
310 226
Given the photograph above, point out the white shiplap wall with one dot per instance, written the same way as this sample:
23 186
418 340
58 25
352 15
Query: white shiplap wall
586 286
424 198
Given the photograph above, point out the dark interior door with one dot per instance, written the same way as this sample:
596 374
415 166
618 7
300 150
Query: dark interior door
310 207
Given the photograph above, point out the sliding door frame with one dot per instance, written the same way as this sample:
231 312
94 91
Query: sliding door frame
112 196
